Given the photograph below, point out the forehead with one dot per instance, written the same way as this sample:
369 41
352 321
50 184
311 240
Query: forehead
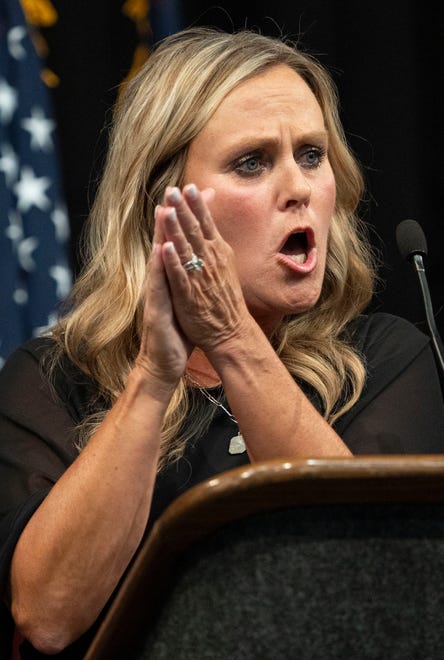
277 95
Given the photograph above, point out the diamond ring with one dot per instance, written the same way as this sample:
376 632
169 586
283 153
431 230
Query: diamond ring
194 263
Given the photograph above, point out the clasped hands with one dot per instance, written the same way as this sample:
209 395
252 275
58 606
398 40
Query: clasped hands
193 294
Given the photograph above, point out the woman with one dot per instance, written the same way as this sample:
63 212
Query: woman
217 321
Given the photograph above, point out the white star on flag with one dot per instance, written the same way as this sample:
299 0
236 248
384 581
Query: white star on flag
15 47
20 296
34 227
62 277
14 230
30 191
24 253
8 101
40 129
9 163
61 223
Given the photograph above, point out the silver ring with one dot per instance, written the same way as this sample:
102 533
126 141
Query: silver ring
194 263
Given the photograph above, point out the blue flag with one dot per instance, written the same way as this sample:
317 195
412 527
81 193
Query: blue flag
34 230
165 18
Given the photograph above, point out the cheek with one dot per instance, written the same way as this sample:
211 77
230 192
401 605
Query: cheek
236 216
327 193
325 205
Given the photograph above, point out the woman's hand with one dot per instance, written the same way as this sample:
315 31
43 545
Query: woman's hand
164 349
208 303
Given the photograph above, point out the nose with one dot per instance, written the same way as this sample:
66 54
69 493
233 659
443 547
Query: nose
294 188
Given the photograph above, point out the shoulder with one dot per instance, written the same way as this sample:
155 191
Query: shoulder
31 351
29 373
25 389
24 365
382 336
372 327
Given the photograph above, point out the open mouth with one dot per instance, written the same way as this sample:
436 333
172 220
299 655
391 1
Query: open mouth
296 247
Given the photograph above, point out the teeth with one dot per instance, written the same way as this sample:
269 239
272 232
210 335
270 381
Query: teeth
298 258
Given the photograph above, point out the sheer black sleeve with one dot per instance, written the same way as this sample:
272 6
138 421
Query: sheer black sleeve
401 410
36 444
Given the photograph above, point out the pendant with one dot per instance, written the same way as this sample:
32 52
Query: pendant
237 445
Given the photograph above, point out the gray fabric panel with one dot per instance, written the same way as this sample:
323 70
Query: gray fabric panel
339 582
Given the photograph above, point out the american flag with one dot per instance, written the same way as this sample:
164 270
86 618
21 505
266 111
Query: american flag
34 231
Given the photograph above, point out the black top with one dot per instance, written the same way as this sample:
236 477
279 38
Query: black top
400 411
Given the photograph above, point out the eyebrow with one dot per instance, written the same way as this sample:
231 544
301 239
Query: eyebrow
248 143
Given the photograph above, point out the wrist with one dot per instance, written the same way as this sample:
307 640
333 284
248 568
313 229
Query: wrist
238 348
144 381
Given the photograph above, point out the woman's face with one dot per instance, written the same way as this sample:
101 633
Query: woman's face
264 151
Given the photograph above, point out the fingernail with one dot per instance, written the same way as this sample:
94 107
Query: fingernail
171 214
174 195
169 246
192 191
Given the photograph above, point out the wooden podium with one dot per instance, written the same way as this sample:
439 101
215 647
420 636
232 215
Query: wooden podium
337 558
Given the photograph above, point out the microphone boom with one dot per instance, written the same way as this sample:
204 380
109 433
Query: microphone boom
412 246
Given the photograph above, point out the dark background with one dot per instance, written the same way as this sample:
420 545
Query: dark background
387 62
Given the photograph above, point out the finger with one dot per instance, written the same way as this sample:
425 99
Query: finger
198 201
158 233
189 222
157 287
192 206
158 302
163 342
175 234
178 277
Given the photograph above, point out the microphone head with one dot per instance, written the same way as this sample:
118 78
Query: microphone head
411 239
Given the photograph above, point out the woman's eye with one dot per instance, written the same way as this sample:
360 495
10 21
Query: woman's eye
312 158
249 165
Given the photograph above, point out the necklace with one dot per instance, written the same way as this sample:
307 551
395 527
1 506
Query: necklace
237 443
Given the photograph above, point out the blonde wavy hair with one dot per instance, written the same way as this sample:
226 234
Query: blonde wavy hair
159 112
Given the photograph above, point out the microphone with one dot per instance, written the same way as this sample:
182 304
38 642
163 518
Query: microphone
412 246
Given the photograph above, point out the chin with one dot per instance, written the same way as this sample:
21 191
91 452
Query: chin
272 311
268 320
